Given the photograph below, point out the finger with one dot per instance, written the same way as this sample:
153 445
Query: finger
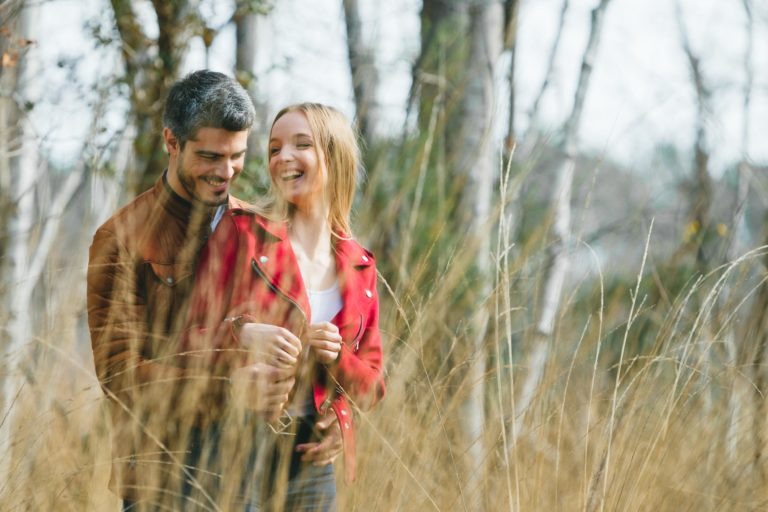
301 448
276 375
330 346
291 339
326 460
326 421
324 335
326 357
325 326
285 346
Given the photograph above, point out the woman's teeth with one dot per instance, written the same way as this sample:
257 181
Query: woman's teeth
291 175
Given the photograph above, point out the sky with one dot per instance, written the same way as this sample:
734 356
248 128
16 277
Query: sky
641 94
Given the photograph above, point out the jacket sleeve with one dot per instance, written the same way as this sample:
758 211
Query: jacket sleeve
359 369
117 324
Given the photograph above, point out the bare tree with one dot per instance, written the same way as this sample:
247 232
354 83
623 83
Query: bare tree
365 79
700 191
738 423
479 167
556 265
29 240
151 65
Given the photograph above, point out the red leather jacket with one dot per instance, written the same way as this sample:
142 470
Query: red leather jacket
248 270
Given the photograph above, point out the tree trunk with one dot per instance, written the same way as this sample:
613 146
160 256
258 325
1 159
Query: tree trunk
479 168
701 184
364 76
443 22
556 266
511 9
24 175
246 40
739 413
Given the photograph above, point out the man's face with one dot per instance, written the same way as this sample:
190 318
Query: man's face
205 168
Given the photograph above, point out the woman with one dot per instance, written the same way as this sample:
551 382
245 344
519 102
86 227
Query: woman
288 286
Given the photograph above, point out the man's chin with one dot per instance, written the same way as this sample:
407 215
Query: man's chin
214 201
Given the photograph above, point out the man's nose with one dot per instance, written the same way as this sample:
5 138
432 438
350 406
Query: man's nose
227 169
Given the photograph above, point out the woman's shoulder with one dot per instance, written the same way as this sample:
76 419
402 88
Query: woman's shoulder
355 252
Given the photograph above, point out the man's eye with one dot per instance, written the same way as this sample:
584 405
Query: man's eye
274 151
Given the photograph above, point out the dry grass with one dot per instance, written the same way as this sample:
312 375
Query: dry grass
646 430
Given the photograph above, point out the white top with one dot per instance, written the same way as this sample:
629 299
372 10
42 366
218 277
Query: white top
325 304
218 215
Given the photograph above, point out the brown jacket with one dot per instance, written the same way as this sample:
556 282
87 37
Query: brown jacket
140 274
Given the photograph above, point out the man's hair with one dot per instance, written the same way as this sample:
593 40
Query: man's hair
207 99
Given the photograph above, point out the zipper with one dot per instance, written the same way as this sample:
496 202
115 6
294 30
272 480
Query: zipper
356 339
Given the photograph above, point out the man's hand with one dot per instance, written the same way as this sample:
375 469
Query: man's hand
325 340
263 388
329 447
270 344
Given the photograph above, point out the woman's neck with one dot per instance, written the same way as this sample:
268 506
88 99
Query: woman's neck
311 231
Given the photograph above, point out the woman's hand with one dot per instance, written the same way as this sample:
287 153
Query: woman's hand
271 344
325 340
329 447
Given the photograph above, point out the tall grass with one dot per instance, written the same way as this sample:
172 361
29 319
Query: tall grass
632 413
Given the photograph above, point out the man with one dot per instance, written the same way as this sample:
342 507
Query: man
166 417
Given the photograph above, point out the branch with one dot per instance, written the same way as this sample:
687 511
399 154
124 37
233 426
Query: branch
534 113
587 64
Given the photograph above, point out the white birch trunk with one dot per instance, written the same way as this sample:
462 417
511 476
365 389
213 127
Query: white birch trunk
739 413
24 176
480 169
556 268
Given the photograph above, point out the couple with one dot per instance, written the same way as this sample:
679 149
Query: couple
233 340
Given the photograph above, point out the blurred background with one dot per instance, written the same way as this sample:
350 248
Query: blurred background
566 199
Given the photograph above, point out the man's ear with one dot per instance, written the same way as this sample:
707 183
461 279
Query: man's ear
172 145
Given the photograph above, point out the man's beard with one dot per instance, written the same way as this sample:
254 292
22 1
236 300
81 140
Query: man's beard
189 186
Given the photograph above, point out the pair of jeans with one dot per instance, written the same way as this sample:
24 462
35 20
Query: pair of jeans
289 484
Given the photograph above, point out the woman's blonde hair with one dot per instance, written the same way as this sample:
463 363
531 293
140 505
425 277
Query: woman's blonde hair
334 136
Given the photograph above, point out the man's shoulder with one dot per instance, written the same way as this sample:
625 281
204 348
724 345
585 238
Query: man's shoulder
130 218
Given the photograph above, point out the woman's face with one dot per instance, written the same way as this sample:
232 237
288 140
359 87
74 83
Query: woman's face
296 167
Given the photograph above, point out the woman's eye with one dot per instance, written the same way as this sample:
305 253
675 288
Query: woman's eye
274 151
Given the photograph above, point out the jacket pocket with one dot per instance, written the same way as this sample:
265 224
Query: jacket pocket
170 274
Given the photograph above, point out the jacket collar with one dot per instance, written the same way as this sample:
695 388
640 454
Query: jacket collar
347 249
172 202
179 207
